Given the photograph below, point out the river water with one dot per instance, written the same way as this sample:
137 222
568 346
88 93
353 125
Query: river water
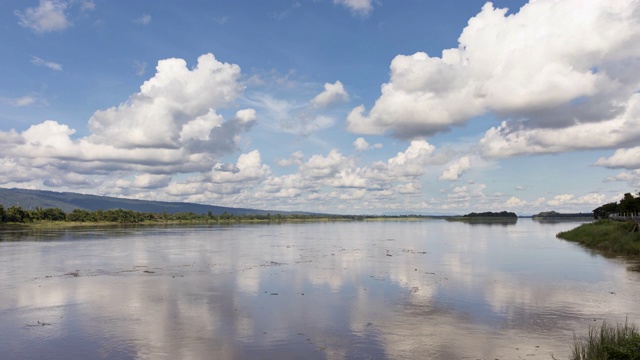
335 290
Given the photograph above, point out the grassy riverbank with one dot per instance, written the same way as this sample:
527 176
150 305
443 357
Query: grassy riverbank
620 342
608 236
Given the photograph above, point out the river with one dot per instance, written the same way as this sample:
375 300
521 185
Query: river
330 290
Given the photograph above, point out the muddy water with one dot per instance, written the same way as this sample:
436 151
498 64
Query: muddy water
354 290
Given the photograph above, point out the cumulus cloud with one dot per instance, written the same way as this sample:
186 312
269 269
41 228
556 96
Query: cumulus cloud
249 167
143 181
531 67
171 126
511 138
335 178
410 188
515 202
173 99
223 179
295 159
332 93
48 64
592 199
357 7
361 144
456 169
412 162
319 166
48 16
622 158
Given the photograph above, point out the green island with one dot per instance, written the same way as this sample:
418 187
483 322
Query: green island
616 230
554 216
503 217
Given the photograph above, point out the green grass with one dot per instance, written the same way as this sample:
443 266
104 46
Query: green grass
608 236
620 342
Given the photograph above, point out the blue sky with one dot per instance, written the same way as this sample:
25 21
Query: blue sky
345 106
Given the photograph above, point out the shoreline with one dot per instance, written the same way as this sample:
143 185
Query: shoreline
608 236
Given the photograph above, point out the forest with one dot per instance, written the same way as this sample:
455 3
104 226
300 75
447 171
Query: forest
628 206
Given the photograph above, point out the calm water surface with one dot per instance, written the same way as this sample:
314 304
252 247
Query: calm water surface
352 290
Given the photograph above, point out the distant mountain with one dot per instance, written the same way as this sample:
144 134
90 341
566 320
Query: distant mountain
67 202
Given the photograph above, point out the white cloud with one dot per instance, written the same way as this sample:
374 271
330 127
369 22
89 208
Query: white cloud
170 126
466 193
632 178
562 200
166 103
248 168
413 161
295 159
319 166
361 144
200 127
221 20
622 158
19 102
410 188
145 19
515 202
86 5
291 117
511 139
143 181
532 66
48 64
48 16
358 7
230 180
140 67
456 169
332 93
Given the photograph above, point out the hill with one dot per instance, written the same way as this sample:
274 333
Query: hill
67 202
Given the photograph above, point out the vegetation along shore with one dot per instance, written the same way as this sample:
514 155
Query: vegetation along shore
608 342
616 230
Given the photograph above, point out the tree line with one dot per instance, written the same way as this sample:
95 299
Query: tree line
629 205
16 214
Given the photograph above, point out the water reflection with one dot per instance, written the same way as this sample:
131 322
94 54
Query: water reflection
401 290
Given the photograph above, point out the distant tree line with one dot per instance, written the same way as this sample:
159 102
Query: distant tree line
16 214
629 205
502 214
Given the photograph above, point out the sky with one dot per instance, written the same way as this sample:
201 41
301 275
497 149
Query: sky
340 106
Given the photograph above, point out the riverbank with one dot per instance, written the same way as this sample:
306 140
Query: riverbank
614 237
608 342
